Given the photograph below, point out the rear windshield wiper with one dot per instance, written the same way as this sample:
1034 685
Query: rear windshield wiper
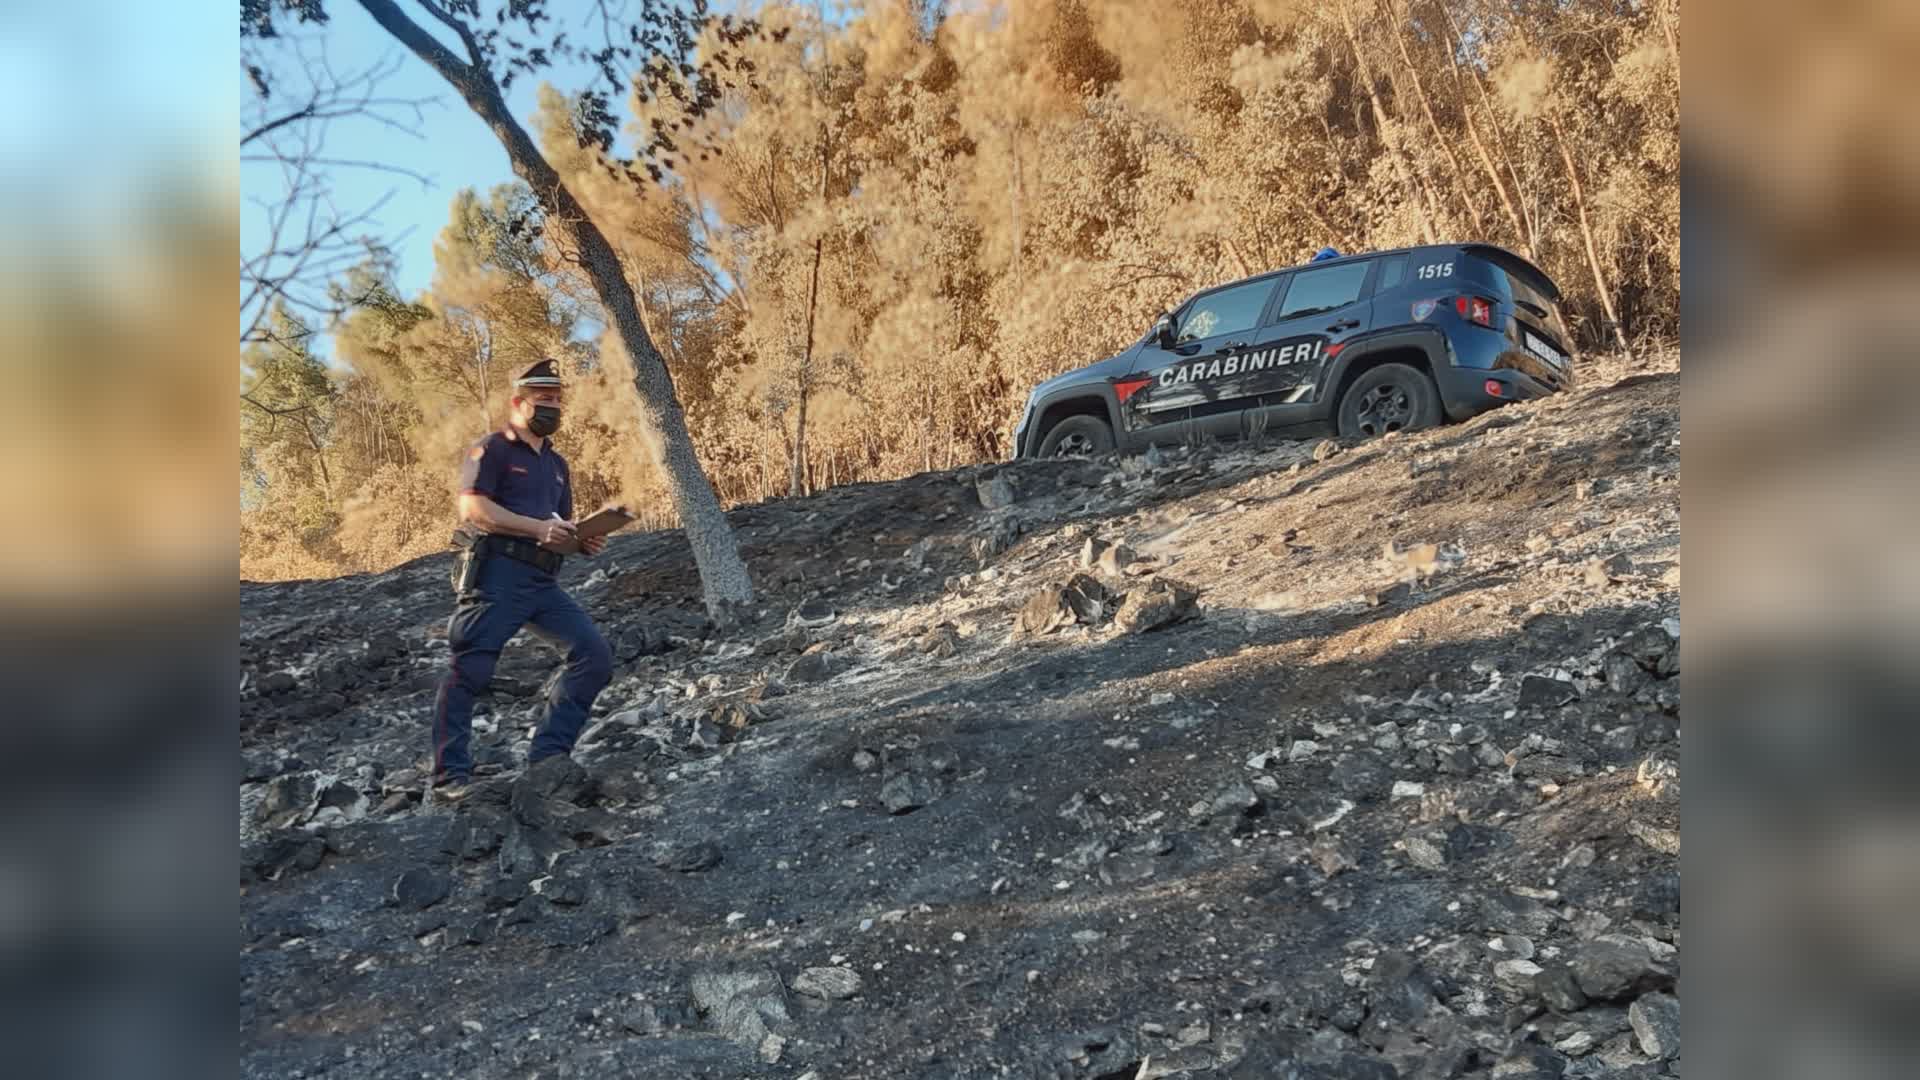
1537 311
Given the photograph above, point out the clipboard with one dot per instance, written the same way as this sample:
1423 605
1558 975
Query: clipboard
602 522
606 520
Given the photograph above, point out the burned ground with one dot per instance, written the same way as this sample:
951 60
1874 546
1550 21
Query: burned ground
1352 761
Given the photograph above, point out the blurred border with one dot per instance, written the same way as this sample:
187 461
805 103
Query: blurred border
1801 202
117 560
1802 219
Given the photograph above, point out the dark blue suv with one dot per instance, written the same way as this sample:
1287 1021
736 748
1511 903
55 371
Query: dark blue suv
1355 346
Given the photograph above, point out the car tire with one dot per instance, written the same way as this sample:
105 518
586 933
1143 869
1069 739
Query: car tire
1077 436
1391 397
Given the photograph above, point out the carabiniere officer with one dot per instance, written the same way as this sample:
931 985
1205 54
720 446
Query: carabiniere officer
516 507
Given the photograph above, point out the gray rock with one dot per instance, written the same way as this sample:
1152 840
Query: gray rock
636 640
1001 537
905 792
689 858
642 1019
996 490
812 613
1657 653
1045 612
1088 853
1623 674
289 800
1531 1061
703 734
1558 990
1401 995
258 766
529 851
1163 602
474 834
1425 853
814 667
1362 778
1454 760
1614 966
557 777
1621 740
1656 1024
421 888
1507 913
1235 798
1102 1052
1090 552
1603 572
297 851
827 983
745 1006
505 892
1127 869
565 892
1086 598
1538 691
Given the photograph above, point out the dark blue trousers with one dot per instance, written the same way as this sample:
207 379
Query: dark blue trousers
511 594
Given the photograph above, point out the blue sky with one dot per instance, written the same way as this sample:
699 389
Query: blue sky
456 151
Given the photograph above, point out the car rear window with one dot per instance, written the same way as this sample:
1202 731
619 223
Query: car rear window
1525 295
1392 269
1525 283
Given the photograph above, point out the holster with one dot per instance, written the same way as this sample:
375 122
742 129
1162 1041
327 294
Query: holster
466 573
466 565
474 550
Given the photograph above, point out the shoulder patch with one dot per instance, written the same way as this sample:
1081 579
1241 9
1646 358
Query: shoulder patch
477 453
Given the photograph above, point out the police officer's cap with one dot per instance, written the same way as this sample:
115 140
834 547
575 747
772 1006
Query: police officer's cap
539 377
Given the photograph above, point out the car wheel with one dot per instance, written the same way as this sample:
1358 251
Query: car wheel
1391 397
1077 436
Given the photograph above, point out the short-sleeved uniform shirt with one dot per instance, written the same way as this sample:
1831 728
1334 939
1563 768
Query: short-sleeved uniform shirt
504 468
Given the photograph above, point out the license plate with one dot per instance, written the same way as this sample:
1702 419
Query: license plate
1545 351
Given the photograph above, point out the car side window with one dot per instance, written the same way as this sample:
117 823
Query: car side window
1393 269
1326 289
1227 311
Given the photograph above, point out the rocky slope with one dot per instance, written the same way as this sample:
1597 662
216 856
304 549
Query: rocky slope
1297 761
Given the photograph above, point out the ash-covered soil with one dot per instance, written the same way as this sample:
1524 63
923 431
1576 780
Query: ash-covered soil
1304 761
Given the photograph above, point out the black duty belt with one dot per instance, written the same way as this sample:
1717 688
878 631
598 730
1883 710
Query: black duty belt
519 550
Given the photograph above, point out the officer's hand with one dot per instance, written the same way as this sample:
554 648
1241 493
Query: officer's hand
593 545
555 531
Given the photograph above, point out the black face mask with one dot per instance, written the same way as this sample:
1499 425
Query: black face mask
546 420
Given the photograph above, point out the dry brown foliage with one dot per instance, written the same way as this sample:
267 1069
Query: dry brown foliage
909 227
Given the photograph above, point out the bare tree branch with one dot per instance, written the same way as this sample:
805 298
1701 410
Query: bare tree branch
474 56
309 238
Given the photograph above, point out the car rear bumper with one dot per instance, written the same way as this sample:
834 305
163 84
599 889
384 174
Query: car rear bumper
1463 391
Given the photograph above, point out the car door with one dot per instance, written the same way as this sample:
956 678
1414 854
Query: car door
1304 330
1197 376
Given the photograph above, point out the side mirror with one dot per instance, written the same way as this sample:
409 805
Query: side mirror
1163 331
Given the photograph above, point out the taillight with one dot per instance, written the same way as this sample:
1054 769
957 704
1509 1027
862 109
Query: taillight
1475 309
